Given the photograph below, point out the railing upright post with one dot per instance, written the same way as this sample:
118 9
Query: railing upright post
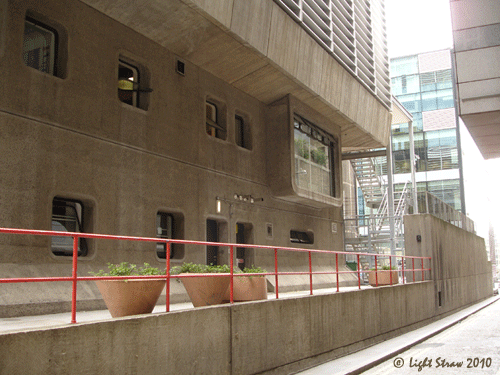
337 269
403 268
276 271
231 267
413 268
359 273
422 267
75 278
167 281
376 271
310 274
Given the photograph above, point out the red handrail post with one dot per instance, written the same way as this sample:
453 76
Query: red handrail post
337 269
276 271
231 267
376 272
422 266
167 281
359 273
403 259
310 274
413 268
75 278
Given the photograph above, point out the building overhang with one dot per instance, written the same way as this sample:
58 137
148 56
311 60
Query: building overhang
257 48
476 55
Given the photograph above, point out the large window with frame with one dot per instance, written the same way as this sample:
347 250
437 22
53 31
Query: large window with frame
302 237
314 157
67 216
40 46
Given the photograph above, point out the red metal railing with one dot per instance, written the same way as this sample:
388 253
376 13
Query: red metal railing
74 278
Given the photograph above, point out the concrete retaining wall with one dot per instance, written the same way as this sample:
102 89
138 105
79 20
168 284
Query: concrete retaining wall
460 267
244 338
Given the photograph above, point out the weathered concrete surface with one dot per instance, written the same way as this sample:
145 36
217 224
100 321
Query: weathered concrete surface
188 342
242 339
70 136
460 268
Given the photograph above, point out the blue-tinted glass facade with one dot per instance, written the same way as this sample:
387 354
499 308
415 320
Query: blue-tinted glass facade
436 150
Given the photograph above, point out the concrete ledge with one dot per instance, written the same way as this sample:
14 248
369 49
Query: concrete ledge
223 339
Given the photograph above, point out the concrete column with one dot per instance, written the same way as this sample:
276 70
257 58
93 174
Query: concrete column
412 163
390 195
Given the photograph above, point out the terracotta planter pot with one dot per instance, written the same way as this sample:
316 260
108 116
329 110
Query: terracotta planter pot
130 297
206 290
248 288
384 278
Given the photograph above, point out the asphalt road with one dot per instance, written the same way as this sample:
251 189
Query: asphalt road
469 347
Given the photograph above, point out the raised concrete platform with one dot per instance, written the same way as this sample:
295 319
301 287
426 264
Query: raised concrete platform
24 323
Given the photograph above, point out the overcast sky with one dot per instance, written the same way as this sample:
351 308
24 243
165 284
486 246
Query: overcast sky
418 26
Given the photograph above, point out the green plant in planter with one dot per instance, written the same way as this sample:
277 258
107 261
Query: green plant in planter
383 268
383 278
127 269
199 268
249 288
253 269
130 297
204 290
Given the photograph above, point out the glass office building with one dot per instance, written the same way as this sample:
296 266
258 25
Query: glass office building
423 84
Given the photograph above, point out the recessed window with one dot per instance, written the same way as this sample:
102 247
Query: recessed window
132 86
242 132
67 216
215 126
301 237
269 230
314 158
40 46
169 226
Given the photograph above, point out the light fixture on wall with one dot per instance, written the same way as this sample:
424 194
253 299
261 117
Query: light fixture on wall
247 198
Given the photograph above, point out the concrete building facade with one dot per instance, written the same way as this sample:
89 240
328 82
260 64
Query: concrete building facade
220 121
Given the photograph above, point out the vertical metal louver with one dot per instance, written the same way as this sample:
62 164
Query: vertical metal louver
353 31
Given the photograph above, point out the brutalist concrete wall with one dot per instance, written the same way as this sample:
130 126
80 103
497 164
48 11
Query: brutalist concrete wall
246 338
460 267
188 342
69 136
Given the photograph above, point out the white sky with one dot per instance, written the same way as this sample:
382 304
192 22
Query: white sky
418 26
422 26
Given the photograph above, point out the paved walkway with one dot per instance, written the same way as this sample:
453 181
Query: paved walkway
358 362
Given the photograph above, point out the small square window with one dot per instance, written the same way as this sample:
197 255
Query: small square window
40 46
67 216
214 121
